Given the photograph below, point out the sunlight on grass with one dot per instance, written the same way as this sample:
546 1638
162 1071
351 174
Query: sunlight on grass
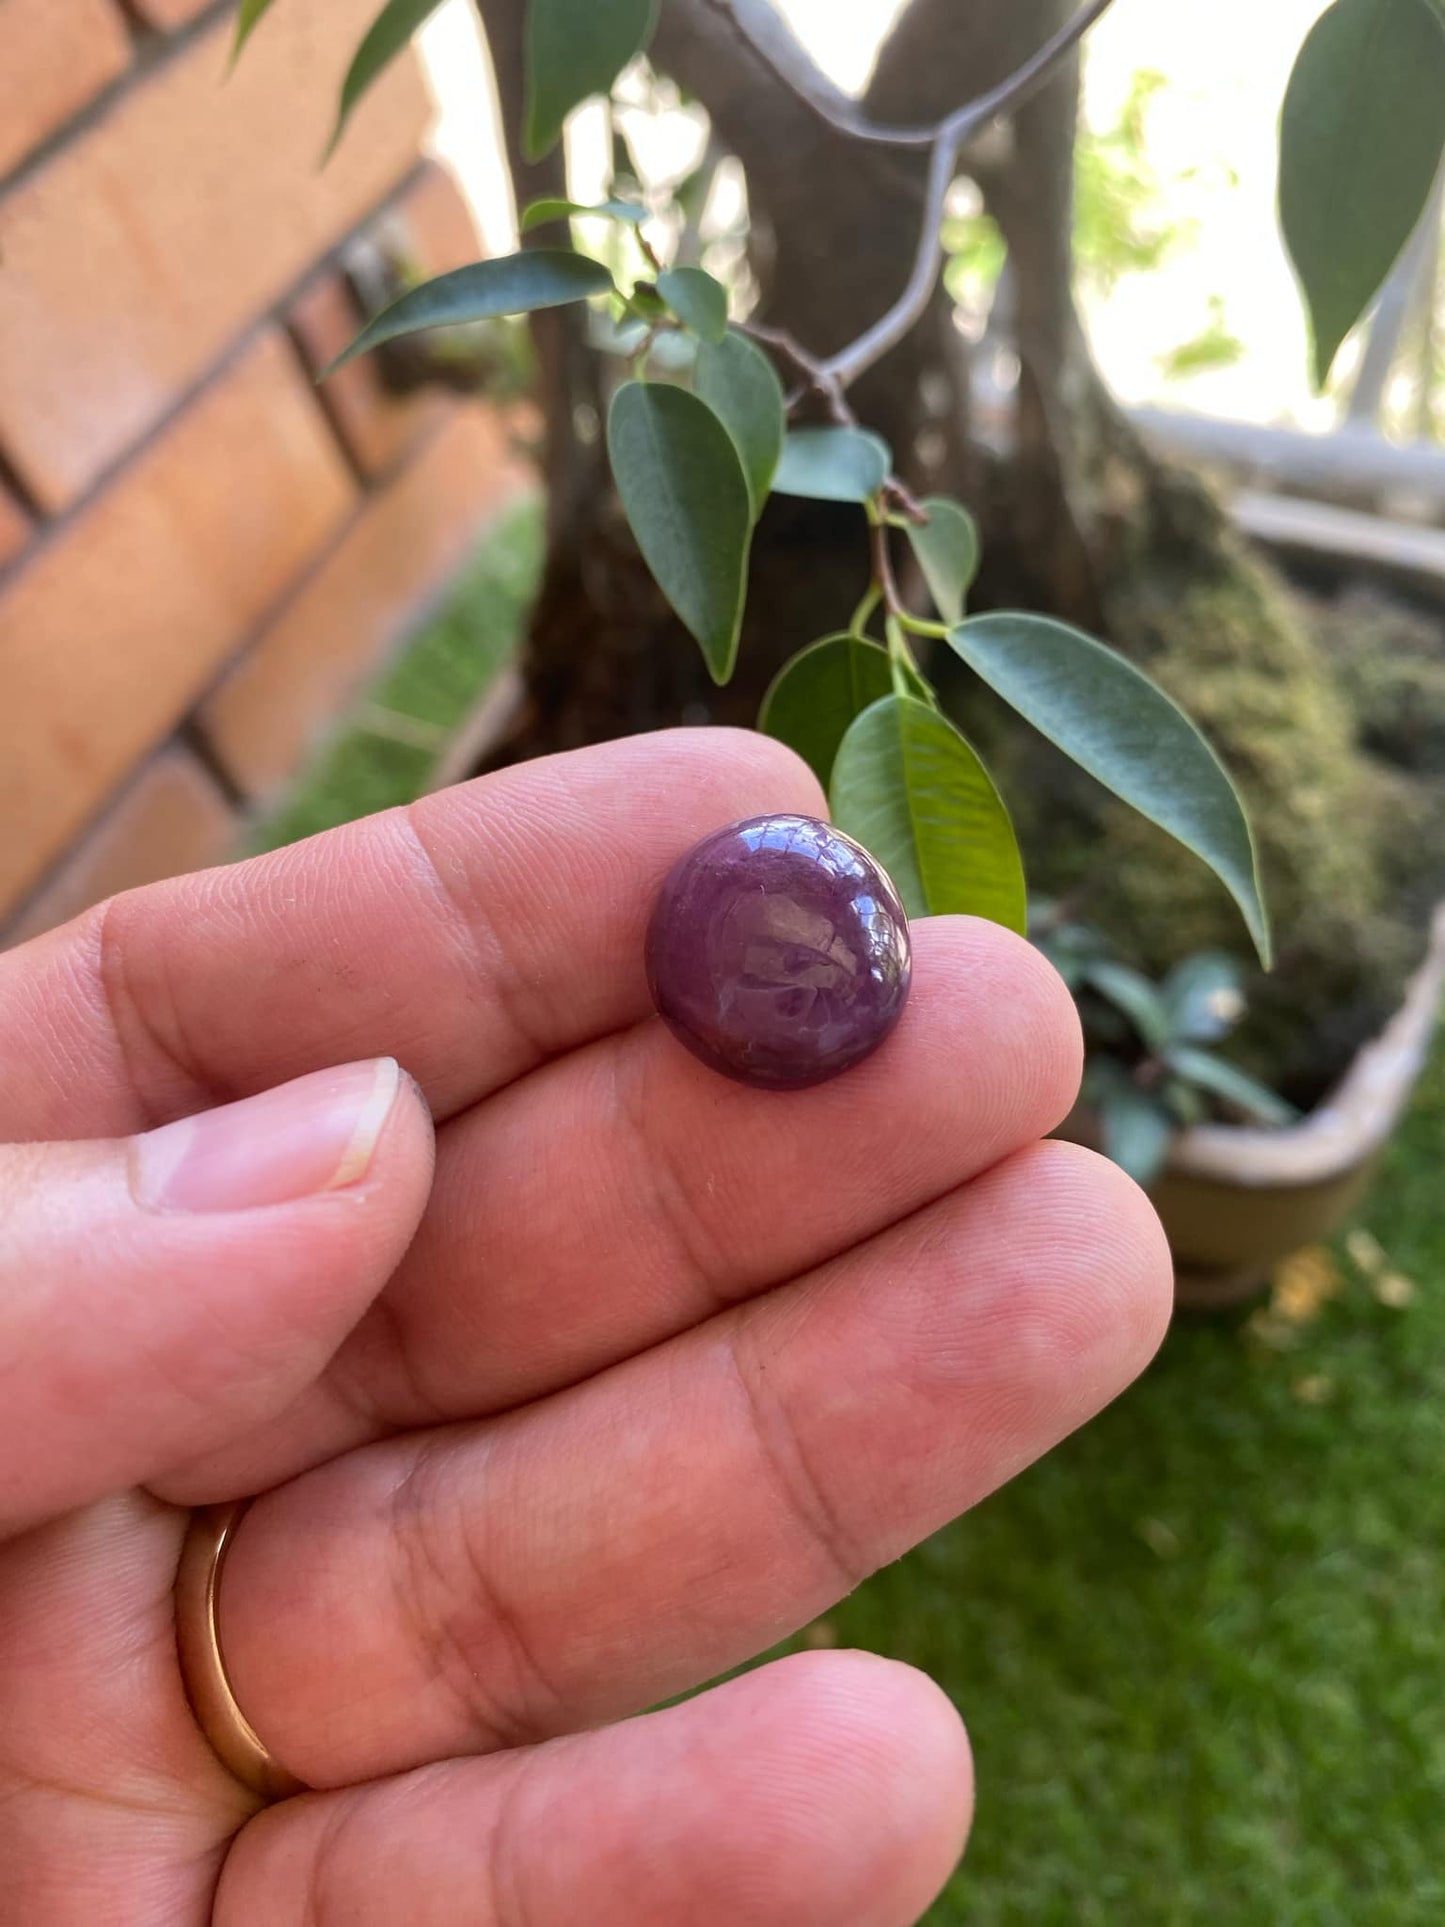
384 752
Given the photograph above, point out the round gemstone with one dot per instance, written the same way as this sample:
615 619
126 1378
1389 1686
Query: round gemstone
778 952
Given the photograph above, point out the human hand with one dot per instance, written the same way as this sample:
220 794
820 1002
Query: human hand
667 1367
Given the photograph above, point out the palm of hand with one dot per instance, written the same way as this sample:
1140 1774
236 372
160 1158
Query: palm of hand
668 1366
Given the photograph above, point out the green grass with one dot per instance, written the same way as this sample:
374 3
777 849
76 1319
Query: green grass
384 752
1201 1648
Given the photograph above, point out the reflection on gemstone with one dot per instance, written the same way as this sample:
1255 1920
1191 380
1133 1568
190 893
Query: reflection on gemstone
778 952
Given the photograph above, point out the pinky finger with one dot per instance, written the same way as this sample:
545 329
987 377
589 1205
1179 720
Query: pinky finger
827 1790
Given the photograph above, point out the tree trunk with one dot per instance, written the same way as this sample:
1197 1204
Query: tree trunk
1078 519
605 656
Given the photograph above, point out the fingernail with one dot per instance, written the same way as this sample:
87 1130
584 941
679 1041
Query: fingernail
316 1134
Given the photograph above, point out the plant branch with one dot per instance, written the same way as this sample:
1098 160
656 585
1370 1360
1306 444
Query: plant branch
947 139
816 379
883 577
764 34
787 61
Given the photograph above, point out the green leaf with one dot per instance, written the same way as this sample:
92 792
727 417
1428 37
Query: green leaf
511 284
833 464
1069 947
645 301
248 18
910 788
539 213
1133 994
1225 1080
815 696
1203 997
1125 731
1137 1126
1360 142
392 28
686 497
698 301
946 549
741 386
576 48
1186 1105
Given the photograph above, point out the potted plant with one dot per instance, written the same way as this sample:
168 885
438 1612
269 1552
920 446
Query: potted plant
728 442
1240 1178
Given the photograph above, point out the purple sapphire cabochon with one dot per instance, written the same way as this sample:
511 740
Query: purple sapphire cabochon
778 952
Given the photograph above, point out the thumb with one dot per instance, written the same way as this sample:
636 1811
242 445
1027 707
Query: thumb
160 1295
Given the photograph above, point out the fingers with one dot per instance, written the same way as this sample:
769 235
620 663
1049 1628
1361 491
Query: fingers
472 936
160 1294
632 1193
828 1790
114 1811
492 1584
685 1193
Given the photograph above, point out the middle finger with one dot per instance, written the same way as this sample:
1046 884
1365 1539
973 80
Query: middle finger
624 1193
492 1584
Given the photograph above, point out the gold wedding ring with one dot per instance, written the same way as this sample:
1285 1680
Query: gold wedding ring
208 1685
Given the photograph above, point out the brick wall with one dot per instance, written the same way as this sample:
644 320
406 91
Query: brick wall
201 553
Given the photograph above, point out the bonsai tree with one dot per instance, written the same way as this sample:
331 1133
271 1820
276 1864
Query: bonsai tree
810 439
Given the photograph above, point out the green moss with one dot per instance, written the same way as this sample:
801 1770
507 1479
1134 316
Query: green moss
1348 873
1390 661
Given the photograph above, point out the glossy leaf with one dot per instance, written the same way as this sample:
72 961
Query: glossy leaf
909 680
1227 1081
814 698
646 302
1069 947
1125 731
576 48
248 17
1360 143
1132 994
511 284
539 213
698 301
910 788
388 34
1203 997
1186 1104
686 497
946 549
741 386
1137 1128
833 464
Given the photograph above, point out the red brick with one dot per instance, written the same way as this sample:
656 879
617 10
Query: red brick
171 819
377 426
427 230
14 527
393 560
115 623
172 13
431 224
55 55
139 252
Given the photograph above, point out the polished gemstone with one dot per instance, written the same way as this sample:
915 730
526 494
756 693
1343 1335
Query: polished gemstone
778 952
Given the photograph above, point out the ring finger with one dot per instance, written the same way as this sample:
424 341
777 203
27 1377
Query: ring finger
492 1584
830 1790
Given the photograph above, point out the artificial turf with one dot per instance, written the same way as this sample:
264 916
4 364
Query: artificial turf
1201 1647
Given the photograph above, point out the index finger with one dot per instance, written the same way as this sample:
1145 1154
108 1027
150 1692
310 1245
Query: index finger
470 936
